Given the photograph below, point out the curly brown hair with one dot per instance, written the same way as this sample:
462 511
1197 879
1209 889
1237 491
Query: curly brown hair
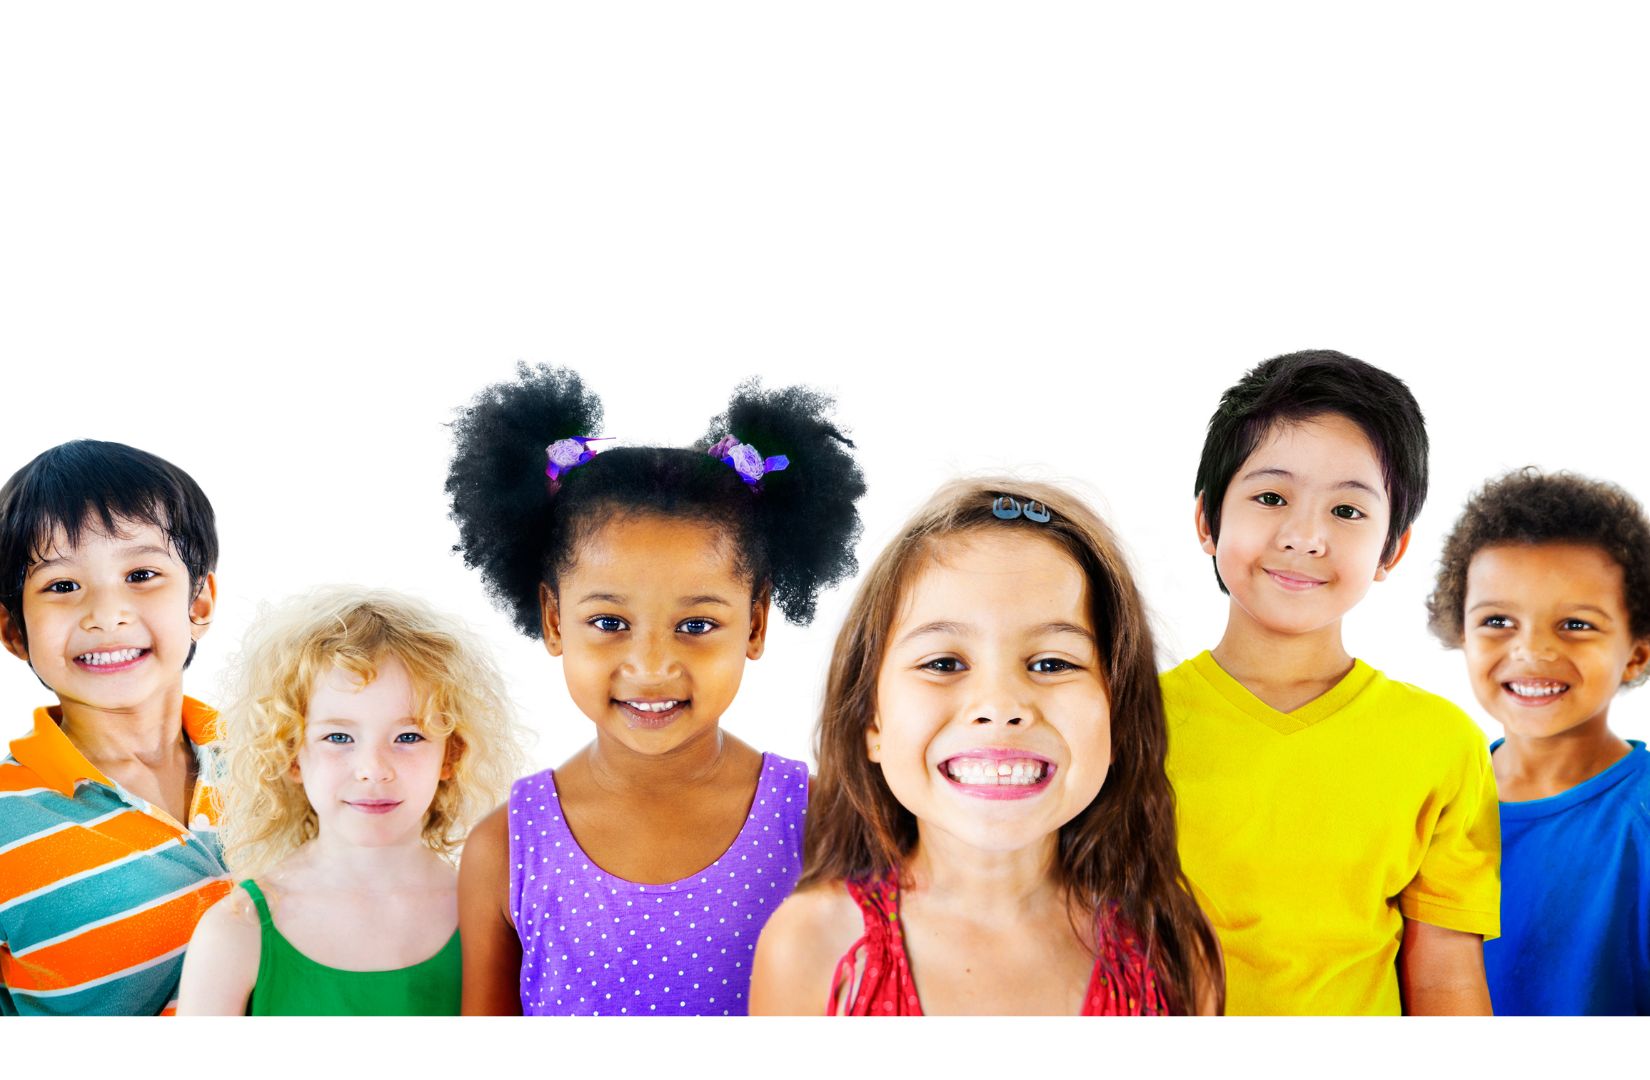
1528 506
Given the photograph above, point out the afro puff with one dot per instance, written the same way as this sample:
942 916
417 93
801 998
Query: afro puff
1530 507
793 531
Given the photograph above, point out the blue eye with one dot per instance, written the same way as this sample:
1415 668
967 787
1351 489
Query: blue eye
1052 665
1270 498
1348 513
409 737
696 627
337 738
945 665
609 624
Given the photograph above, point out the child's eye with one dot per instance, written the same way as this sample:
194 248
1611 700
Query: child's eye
1497 622
409 737
142 575
1052 665
609 624
946 665
696 627
1577 624
62 587
337 738
1348 513
1269 498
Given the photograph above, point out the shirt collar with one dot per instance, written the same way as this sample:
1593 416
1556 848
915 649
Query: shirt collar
50 755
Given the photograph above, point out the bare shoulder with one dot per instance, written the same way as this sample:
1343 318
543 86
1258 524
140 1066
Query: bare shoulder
800 947
489 840
233 919
221 964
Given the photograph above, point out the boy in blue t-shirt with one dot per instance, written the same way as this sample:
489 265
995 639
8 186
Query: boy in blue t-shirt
1545 585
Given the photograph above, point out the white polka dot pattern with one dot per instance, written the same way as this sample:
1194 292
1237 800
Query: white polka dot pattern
597 945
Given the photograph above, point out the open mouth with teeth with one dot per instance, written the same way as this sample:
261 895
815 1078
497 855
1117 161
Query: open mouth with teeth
112 660
1536 691
1014 775
652 714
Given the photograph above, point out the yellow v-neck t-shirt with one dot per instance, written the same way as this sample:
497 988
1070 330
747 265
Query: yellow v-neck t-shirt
1310 836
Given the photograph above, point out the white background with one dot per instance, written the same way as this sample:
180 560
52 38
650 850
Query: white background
279 249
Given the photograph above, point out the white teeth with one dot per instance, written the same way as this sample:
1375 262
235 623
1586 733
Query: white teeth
1024 772
1540 689
653 706
98 659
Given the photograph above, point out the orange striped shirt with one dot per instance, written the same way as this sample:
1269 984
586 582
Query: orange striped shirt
99 890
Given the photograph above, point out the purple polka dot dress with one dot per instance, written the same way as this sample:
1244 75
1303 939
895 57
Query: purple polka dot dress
597 945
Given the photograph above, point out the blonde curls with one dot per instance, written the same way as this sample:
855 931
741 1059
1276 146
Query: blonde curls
265 814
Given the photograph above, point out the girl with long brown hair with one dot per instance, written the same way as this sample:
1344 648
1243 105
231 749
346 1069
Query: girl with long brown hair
991 823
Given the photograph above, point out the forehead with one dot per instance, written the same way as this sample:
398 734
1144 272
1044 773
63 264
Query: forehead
92 538
997 577
1561 573
637 553
339 693
1328 448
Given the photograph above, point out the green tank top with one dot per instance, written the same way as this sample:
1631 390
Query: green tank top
291 984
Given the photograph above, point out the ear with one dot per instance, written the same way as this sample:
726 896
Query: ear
760 610
202 606
11 632
1637 660
1403 545
550 619
1205 535
873 740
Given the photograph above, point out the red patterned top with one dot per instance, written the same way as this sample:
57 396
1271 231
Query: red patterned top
1122 983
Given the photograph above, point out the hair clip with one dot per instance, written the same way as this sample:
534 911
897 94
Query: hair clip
565 454
746 460
1008 508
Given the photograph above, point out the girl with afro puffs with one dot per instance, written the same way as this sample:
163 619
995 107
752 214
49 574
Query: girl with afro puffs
635 877
1544 584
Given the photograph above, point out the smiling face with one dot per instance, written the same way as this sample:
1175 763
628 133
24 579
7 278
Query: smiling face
111 619
365 763
993 721
1548 638
654 624
1302 526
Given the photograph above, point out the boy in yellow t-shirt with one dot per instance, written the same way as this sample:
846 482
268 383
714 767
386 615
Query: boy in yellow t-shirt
1339 828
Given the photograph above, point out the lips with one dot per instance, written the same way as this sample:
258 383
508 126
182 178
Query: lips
652 713
373 806
1292 581
998 773
1535 693
110 661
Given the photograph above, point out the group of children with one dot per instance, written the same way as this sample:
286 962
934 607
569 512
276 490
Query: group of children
1014 812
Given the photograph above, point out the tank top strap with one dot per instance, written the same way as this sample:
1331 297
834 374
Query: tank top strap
1123 982
258 901
874 977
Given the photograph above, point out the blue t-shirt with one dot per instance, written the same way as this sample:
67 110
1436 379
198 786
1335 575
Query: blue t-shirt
1575 898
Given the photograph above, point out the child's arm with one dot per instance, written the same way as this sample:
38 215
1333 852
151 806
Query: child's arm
221 966
492 951
1441 972
797 954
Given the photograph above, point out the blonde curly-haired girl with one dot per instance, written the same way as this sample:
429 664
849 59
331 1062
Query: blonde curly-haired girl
366 733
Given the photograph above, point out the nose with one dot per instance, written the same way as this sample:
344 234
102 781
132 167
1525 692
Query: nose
1534 643
104 609
652 657
372 764
1302 533
1002 698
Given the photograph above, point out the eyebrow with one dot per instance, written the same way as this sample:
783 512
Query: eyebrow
942 626
1285 474
127 552
686 601
1568 607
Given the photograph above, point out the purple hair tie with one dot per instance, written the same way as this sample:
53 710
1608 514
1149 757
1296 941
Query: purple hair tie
746 460
566 454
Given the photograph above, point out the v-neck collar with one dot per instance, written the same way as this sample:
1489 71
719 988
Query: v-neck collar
1324 705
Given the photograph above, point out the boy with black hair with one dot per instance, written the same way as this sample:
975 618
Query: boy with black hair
107 850
1338 827
1545 586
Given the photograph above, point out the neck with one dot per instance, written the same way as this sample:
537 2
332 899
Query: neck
148 733
619 769
987 885
1536 768
367 869
1257 655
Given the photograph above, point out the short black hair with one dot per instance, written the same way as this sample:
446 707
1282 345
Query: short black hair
1298 387
793 532
92 484
1528 506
